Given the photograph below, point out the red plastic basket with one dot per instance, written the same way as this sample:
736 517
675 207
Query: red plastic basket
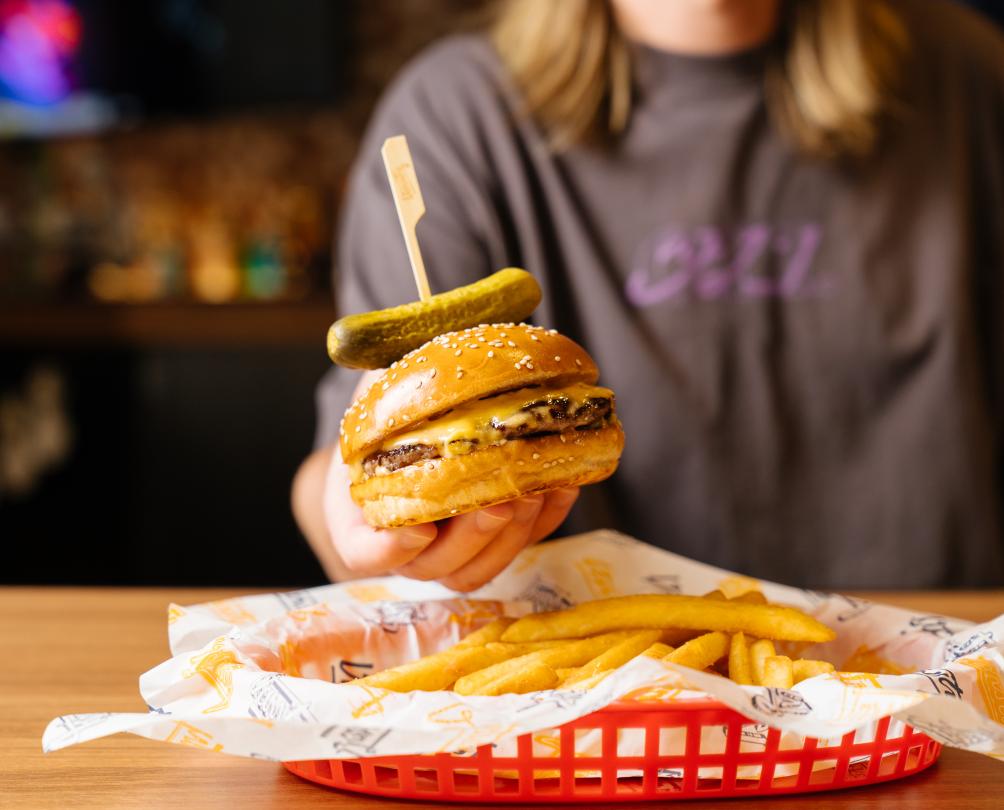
485 777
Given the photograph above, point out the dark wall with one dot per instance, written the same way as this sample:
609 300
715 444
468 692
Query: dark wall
209 56
179 471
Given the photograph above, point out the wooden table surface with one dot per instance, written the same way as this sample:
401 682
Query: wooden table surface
69 650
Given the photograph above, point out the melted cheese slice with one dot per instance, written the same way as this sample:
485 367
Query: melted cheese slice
453 432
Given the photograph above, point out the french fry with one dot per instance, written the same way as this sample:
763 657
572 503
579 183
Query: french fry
524 647
663 611
805 668
700 652
615 656
436 671
760 651
573 653
658 650
777 672
490 632
531 678
750 598
739 660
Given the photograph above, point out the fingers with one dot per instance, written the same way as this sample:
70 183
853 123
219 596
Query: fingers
493 558
556 507
363 550
459 541
368 552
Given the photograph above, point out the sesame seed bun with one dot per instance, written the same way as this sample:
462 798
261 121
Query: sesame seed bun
457 367
474 366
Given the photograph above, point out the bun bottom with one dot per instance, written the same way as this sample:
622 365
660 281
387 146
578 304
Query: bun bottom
443 487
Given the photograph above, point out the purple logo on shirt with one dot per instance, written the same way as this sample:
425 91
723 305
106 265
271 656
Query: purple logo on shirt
755 261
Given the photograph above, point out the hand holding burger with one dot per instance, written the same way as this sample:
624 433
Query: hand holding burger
471 444
488 431
463 552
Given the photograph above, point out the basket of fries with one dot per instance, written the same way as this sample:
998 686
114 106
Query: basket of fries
594 667
660 742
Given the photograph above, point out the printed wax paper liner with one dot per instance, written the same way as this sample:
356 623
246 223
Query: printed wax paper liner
269 676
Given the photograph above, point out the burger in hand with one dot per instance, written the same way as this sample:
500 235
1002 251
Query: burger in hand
477 417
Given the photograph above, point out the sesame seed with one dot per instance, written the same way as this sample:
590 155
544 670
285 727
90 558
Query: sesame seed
510 344
458 352
405 417
472 346
517 365
534 337
491 353
433 373
390 422
535 456
385 386
503 334
459 373
430 466
394 364
454 511
552 331
530 366
481 338
404 364
420 359
545 465
557 358
578 362
420 384
358 428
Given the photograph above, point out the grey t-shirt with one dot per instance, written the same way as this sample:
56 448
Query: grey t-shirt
806 355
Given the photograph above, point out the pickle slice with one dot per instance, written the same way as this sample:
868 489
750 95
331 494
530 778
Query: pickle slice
377 339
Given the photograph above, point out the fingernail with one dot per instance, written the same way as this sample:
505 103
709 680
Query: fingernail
528 508
491 521
416 537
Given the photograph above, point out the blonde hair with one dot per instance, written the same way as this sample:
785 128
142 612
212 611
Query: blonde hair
832 72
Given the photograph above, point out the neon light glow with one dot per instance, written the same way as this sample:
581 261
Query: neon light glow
38 40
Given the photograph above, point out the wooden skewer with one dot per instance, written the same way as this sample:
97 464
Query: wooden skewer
408 199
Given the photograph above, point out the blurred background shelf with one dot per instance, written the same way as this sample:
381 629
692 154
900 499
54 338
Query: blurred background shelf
154 157
183 324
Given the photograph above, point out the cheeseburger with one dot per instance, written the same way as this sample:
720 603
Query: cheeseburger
477 417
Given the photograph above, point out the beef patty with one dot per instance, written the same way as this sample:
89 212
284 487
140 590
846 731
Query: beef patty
539 418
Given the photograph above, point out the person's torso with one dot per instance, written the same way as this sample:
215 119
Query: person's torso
795 345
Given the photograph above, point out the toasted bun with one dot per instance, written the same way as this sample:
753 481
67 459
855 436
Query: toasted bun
457 367
435 489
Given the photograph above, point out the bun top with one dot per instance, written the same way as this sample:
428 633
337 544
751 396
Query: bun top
457 367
